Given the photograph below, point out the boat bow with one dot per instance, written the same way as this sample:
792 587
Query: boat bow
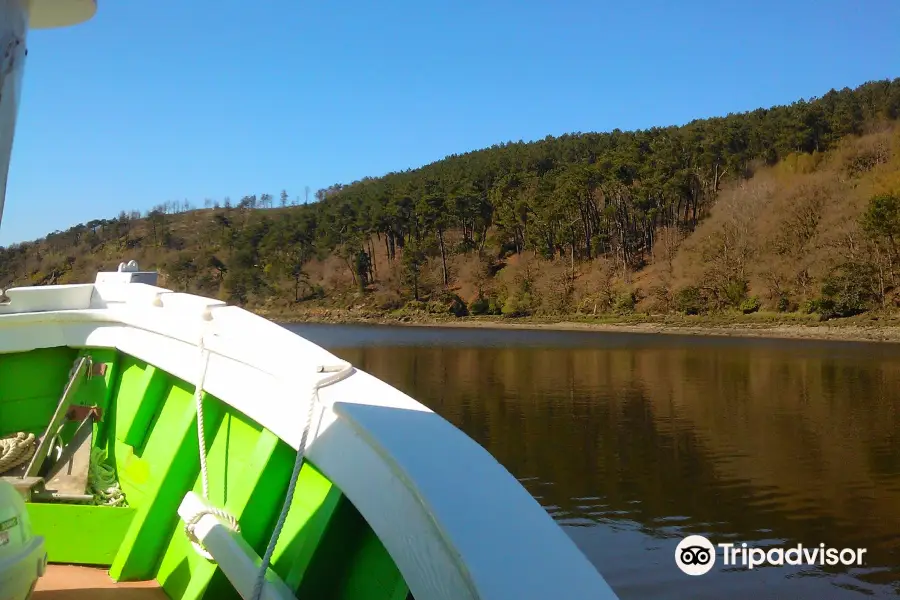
457 523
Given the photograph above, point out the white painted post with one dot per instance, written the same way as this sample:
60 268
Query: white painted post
13 31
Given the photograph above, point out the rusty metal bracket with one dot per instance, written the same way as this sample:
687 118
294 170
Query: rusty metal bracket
98 370
80 413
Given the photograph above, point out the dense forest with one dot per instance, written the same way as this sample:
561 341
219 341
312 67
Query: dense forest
792 209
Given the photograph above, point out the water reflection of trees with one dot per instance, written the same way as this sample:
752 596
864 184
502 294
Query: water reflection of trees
759 443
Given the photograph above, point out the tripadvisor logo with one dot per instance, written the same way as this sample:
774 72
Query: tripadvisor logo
696 555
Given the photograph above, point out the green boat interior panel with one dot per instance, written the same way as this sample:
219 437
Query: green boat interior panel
147 428
81 534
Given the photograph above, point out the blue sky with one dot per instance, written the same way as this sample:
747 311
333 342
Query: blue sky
166 100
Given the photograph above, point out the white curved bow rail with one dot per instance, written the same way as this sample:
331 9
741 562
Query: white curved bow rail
456 523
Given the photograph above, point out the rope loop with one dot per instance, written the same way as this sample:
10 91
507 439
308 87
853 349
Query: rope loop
224 517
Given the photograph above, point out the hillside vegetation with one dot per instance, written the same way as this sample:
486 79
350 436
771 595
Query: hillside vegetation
793 209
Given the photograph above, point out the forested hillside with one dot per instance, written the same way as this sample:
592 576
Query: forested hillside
793 208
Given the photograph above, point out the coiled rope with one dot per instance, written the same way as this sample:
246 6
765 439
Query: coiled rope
16 450
102 482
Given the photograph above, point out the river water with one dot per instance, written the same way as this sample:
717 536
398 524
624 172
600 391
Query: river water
634 441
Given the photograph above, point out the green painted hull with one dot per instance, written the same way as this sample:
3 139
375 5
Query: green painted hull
149 429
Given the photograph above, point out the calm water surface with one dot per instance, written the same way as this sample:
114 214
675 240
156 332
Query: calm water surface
632 442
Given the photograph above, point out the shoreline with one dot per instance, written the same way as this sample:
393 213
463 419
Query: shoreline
885 330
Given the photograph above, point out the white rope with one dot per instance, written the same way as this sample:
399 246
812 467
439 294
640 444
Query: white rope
16 450
229 520
198 400
191 522
339 374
